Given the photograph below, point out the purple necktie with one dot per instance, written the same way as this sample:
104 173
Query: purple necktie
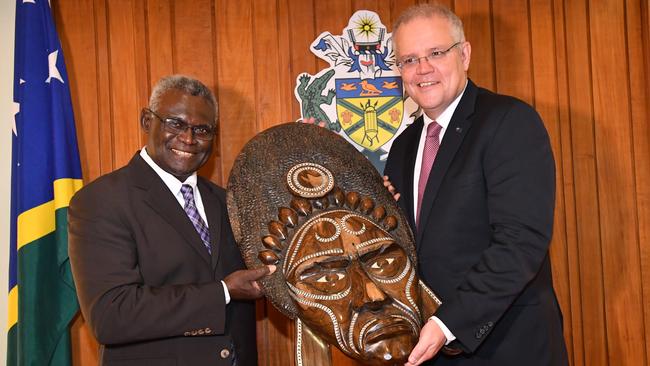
431 145
195 217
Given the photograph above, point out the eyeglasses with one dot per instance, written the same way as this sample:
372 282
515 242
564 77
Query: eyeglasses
410 62
177 126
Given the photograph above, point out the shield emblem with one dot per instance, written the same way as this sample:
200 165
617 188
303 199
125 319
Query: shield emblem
370 111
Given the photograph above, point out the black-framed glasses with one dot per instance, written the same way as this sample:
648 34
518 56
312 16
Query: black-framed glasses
177 126
410 62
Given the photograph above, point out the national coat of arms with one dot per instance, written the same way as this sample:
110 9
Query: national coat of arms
360 95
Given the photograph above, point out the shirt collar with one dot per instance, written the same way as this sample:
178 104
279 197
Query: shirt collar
170 181
445 117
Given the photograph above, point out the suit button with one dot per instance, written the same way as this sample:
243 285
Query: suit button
225 353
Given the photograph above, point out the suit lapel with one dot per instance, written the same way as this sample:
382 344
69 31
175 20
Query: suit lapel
161 200
214 213
412 142
454 135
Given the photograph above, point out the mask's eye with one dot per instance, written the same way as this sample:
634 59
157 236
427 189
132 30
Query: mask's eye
326 277
325 283
330 277
382 263
386 266
386 262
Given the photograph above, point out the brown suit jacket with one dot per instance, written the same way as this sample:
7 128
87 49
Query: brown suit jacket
146 284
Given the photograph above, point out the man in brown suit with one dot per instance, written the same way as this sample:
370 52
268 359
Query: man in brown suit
158 273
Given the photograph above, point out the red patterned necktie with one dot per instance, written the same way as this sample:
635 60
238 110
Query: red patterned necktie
195 217
431 145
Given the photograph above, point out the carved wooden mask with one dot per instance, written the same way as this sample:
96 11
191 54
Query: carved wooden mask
301 197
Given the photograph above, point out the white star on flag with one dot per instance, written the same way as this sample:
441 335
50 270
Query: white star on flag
54 72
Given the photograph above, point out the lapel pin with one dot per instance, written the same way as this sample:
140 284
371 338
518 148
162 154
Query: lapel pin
459 130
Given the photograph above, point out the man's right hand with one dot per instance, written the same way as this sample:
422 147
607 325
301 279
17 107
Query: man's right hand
242 284
391 188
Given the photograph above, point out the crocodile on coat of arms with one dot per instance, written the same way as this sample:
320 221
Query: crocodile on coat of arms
312 98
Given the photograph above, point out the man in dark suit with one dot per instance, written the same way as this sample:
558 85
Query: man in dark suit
476 177
158 273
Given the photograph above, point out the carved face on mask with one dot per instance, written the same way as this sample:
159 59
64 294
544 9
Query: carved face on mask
354 286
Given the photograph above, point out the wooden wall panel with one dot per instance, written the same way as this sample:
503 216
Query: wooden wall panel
141 62
638 17
160 56
301 34
582 63
615 169
268 68
81 46
125 107
287 77
104 102
565 258
236 78
512 49
477 24
193 46
547 103
396 8
332 16
585 187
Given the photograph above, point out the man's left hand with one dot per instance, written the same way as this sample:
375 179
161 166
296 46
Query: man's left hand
242 284
431 341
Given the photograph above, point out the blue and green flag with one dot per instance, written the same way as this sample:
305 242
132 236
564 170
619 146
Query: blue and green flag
45 174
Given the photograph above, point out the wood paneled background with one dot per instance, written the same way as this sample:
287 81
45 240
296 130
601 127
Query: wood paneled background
584 64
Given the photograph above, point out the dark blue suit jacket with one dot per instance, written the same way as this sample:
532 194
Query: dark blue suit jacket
485 228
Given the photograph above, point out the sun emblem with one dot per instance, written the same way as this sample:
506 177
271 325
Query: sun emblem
366 26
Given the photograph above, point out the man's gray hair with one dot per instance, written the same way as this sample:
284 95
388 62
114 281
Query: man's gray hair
428 11
184 84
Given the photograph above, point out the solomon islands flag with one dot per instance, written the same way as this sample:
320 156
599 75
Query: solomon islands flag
45 174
